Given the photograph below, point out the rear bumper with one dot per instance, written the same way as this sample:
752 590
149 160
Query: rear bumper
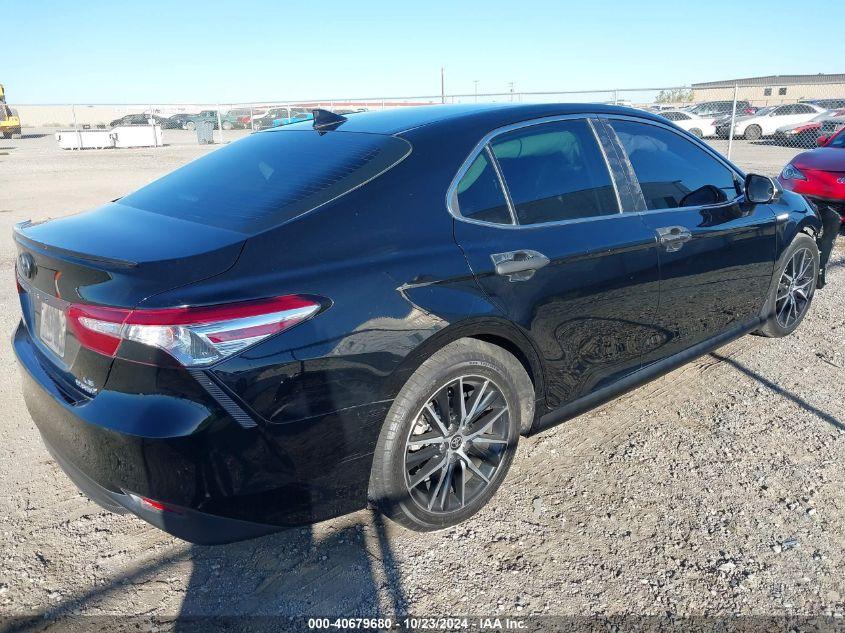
227 482
183 523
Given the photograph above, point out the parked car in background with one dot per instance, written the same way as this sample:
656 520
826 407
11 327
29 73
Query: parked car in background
820 173
345 111
765 122
265 121
294 115
236 118
702 127
204 115
805 134
830 128
139 119
178 121
721 108
277 117
827 104
375 308
660 107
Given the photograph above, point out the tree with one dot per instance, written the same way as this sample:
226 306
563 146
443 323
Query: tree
674 95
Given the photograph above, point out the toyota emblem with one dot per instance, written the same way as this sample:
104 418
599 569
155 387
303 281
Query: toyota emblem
26 265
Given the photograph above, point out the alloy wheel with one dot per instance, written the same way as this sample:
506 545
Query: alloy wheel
795 288
456 444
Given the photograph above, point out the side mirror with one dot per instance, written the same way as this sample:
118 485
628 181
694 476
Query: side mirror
760 189
822 141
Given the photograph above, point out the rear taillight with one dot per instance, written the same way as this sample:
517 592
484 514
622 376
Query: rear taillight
194 336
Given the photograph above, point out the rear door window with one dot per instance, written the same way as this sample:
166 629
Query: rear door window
480 195
265 179
554 172
672 171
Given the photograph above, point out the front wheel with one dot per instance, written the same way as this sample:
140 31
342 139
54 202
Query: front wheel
227 125
190 125
451 435
792 288
696 132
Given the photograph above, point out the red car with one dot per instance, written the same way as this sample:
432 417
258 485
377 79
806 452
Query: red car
805 134
820 173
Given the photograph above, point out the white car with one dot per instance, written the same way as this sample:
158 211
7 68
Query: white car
702 127
766 121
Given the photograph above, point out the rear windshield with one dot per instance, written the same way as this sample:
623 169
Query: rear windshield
268 178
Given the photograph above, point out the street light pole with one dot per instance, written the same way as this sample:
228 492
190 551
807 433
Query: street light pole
475 81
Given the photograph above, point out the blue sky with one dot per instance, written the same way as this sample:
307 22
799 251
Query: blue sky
164 52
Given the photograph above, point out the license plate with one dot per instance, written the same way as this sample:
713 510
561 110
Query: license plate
52 329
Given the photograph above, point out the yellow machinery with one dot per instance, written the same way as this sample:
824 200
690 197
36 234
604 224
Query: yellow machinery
10 122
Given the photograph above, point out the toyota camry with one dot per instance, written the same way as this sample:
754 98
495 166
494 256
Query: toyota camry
374 308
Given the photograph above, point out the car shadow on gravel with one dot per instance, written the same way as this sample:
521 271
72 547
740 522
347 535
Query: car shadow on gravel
266 583
780 390
349 571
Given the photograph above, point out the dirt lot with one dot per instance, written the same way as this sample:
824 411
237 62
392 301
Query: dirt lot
718 489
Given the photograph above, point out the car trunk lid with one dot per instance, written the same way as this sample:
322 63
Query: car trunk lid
112 256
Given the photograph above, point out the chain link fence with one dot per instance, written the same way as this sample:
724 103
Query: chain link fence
745 121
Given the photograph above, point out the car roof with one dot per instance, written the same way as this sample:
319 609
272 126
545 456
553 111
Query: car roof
402 119
701 103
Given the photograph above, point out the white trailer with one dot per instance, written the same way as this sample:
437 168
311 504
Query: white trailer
85 139
122 136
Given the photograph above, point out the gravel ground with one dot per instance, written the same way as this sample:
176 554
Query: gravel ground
717 489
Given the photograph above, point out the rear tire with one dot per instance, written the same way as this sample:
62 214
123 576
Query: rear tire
753 133
696 132
190 125
451 435
792 288
227 125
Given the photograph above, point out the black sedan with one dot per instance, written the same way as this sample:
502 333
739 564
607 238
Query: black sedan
177 121
377 308
140 119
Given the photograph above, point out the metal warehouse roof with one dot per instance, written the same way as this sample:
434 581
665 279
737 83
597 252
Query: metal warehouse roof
775 80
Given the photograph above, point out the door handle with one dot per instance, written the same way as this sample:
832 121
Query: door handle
673 238
519 265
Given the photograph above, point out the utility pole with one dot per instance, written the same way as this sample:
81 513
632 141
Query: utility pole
442 85
733 122
475 81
